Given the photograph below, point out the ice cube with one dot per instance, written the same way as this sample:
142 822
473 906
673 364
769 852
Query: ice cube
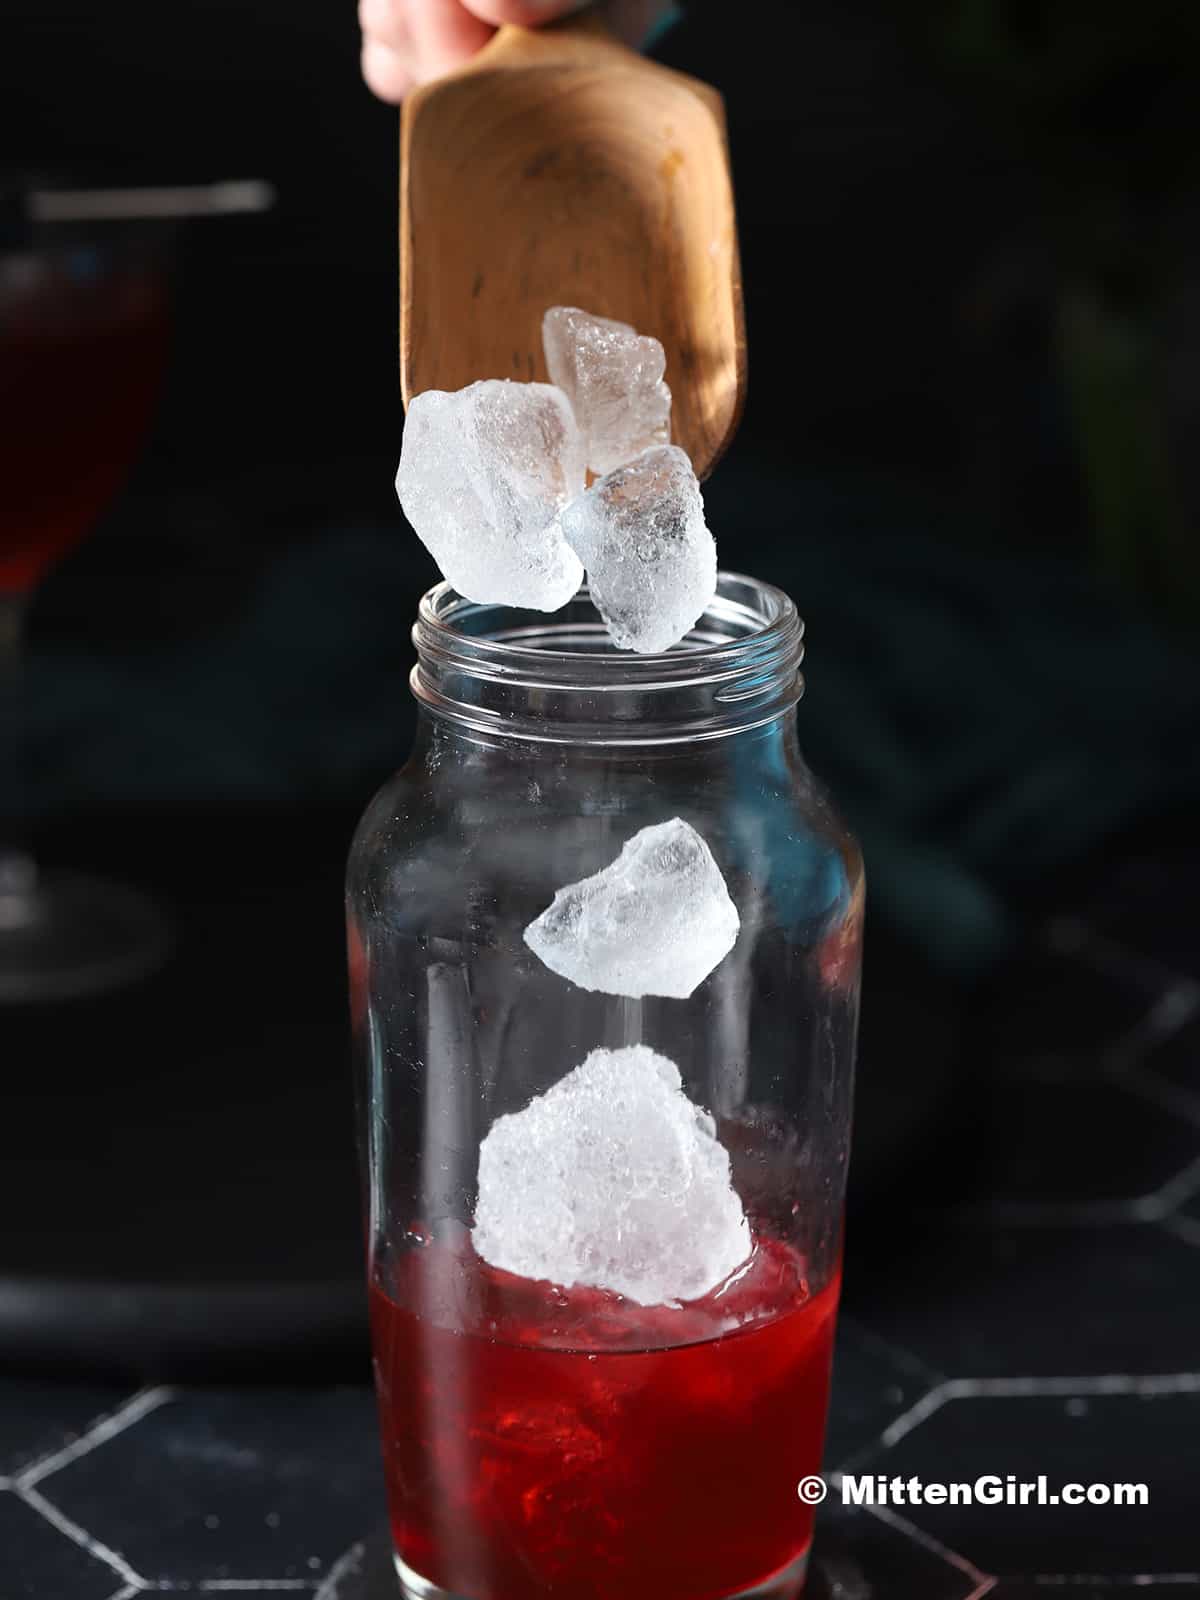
483 473
612 1179
650 559
612 376
657 920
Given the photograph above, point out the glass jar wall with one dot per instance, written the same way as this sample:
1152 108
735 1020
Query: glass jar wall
554 1439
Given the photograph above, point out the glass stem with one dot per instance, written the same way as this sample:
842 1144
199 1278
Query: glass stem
18 872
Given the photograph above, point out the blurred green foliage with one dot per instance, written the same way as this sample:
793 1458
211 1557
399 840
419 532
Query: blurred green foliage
1101 99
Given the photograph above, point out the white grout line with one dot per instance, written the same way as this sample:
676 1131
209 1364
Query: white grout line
1176 1008
259 1585
983 1582
1185 1228
1170 1014
1136 1580
1144 1385
1073 938
77 1535
98 1433
918 1411
914 1416
902 1358
346 1564
1177 1191
1051 1213
1152 1207
1156 1090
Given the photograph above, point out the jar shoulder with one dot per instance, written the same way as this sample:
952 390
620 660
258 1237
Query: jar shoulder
446 836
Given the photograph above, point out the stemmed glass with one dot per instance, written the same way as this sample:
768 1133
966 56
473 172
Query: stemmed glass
83 337
83 334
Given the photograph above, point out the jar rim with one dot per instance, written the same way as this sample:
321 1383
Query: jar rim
765 614
737 667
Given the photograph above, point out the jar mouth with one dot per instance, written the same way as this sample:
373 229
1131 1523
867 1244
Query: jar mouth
499 666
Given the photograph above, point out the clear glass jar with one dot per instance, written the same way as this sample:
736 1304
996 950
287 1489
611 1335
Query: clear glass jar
546 1439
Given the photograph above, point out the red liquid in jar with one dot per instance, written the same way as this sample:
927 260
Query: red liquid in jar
575 1445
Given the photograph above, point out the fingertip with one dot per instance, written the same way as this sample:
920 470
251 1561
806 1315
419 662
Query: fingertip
525 13
384 22
385 73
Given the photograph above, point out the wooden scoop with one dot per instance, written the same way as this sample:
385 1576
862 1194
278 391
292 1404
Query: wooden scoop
559 168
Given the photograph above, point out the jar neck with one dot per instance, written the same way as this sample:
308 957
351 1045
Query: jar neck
514 675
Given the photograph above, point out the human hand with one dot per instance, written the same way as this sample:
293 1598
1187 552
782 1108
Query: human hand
407 42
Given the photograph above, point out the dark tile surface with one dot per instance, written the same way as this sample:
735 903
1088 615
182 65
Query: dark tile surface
1037 1301
38 1418
1035 1310
873 1384
1185 1224
1147 904
1033 1159
37 1562
1085 1586
222 1485
1135 1438
1177 1060
856 1556
1062 1003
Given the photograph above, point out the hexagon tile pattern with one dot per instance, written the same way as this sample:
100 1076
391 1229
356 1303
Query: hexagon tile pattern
1042 1318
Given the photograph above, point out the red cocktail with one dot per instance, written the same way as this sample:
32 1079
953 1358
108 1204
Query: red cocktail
83 331
573 1444
82 342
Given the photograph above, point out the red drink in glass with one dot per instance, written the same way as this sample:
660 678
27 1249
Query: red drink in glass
81 356
573 1444
83 332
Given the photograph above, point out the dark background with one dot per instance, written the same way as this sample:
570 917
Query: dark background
970 233
970 247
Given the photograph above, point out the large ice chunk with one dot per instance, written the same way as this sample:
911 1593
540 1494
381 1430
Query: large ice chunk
657 920
613 377
650 559
615 1179
483 473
